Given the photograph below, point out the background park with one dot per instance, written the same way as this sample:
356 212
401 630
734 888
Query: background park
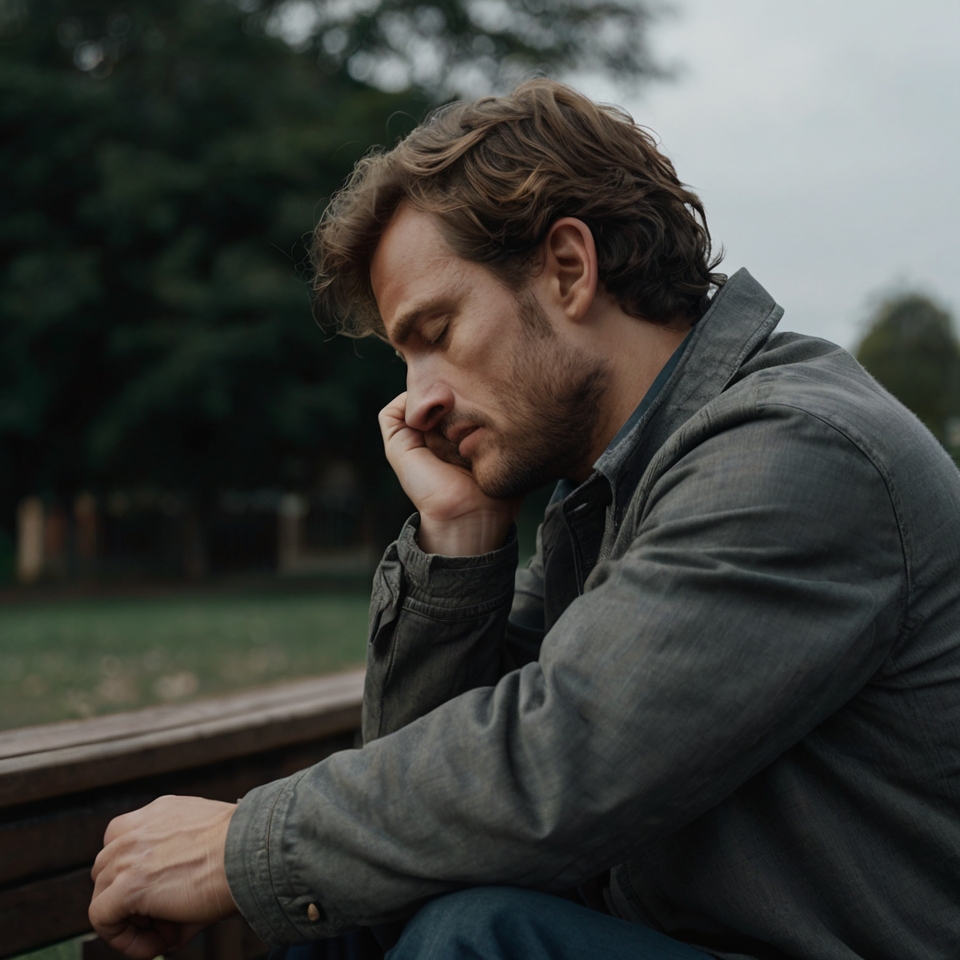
192 489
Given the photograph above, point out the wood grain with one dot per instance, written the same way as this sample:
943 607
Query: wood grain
37 839
41 762
45 911
60 785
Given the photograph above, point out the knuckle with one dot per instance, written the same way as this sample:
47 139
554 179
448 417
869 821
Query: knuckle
114 829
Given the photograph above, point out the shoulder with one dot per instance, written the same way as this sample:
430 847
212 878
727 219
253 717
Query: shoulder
796 432
804 433
797 390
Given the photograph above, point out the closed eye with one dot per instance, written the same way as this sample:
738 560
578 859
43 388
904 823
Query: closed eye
435 333
436 339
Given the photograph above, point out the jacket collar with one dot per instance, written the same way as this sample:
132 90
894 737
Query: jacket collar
741 317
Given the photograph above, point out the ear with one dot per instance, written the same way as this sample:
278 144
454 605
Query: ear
570 267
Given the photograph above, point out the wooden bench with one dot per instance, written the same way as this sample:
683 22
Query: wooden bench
61 784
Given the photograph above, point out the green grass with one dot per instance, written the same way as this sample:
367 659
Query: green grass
80 658
68 950
68 659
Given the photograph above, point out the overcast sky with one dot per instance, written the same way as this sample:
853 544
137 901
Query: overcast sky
824 138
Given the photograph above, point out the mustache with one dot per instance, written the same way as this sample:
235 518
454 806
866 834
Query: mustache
453 421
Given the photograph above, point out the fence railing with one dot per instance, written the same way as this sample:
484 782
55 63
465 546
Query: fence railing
61 784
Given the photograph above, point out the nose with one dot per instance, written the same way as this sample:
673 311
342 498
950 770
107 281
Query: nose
428 401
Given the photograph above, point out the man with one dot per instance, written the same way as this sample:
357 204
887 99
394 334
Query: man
721 706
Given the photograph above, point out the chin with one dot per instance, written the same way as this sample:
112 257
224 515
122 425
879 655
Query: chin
502 483
493 482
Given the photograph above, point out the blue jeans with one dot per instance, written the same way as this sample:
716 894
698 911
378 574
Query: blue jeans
506 923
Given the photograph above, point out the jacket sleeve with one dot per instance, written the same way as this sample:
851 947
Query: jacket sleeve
437 628
761 589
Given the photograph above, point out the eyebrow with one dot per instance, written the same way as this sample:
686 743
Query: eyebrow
404 326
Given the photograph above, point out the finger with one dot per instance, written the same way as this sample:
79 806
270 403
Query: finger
112 906
139 943
442 448
141 938
99 865
104 870
106 860
398 436
114 830
121 825
392 422
395 411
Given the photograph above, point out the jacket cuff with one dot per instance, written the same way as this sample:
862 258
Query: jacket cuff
255 830
443 583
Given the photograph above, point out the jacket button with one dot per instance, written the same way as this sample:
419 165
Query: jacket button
313 913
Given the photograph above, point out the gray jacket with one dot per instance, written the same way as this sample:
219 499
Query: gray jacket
731 673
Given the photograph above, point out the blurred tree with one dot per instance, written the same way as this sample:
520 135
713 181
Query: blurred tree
163 161
469 47
911 348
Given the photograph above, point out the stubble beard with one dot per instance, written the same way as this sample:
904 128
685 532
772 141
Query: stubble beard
552 406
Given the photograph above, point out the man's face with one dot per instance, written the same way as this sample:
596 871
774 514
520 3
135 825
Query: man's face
491 380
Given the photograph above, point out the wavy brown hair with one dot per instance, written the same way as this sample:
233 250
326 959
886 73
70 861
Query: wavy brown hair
497 173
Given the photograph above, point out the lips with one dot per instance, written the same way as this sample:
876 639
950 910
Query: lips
458 435
462 435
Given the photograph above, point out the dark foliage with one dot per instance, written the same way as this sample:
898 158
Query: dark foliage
162 164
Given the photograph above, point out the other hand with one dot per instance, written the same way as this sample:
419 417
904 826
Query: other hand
160 878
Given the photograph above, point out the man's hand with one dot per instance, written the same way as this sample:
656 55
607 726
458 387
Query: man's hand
457 518
159 878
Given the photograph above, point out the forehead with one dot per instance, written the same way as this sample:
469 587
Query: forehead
412 265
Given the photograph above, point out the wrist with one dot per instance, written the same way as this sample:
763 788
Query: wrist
226 904
468 536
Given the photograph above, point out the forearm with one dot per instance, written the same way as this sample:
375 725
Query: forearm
436 629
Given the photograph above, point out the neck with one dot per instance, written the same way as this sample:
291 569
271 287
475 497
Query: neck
633 352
